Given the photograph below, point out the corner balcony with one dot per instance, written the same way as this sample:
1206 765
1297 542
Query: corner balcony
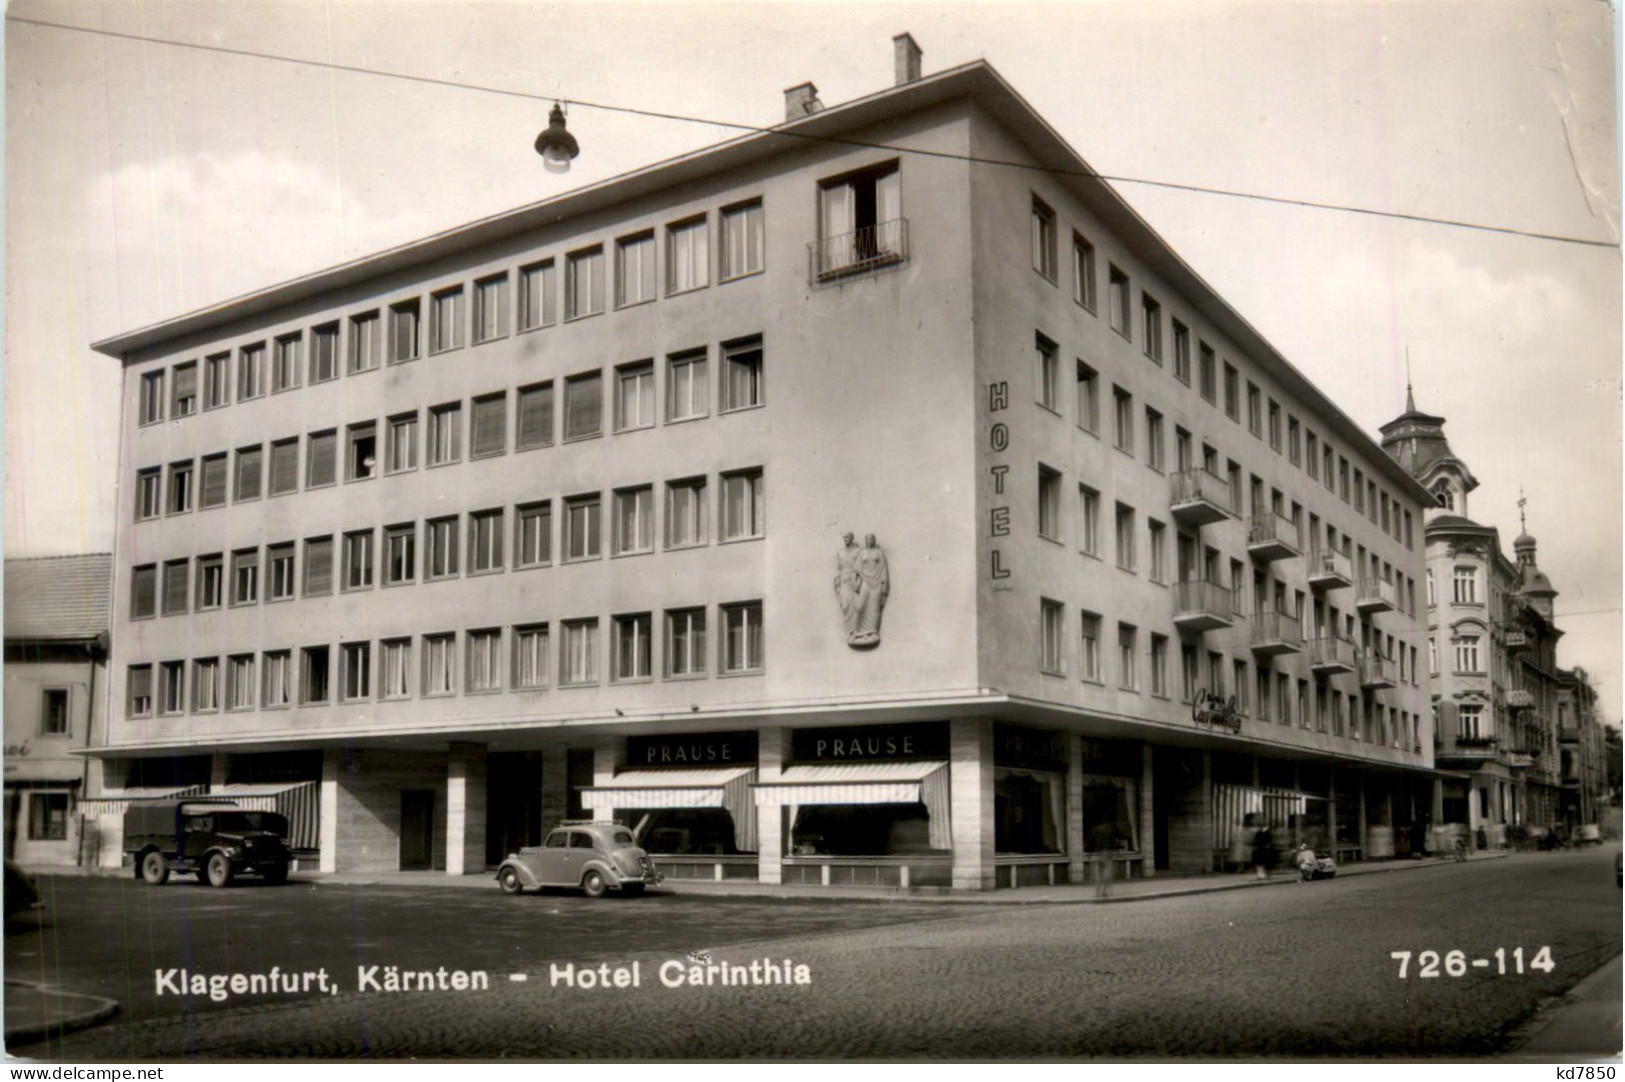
1272 537
1276 633
1377 672
1329 570
869 248
1519 699
1376 595
1515 640
1329 656
1199 498
1476 743
1202 606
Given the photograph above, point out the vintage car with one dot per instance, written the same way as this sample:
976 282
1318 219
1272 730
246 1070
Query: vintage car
21 894
214 839
595 856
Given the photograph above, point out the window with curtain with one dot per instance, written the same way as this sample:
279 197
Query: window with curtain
1029 811
861 218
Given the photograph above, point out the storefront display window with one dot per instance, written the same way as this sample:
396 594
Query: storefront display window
684 831
1110 815
861 830
1029 811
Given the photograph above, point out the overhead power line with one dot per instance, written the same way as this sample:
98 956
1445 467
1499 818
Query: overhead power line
754 128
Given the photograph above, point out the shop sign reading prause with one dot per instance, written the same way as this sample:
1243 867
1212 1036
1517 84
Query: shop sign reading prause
866 743
692 749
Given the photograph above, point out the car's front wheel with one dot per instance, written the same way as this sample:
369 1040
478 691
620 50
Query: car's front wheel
593 885
219 870
508 879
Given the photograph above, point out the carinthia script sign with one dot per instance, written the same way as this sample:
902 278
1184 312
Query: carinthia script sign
1216 711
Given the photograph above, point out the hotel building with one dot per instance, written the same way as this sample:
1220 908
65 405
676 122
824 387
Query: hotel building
546 516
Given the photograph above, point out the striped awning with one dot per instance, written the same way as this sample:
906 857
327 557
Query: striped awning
702 787
866 783
118 802
297 801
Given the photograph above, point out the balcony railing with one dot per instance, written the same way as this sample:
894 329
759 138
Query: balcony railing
1273 537
1516 640
1199 497
1377 671
1329 570
1464 740
863 249
1276 633
1375 595
1519 699
1330 655
1202 606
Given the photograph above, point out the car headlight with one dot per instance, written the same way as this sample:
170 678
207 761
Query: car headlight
232 851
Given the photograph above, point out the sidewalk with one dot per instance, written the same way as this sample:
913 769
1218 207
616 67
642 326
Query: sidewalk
1583 1022
34 1012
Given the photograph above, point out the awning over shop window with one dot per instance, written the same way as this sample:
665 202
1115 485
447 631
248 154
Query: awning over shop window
867 783
727 788
297 801
117 803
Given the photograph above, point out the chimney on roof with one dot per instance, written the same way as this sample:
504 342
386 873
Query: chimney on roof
908 59
800 101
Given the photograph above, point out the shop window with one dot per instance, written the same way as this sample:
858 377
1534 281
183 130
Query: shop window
1029 810
48 816
861 830
1110 815
686 831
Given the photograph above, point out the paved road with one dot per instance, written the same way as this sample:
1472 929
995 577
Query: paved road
1291 971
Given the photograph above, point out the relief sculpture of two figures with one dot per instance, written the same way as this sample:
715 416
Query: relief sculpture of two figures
862 582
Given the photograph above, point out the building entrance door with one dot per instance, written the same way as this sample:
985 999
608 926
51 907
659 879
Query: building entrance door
417 829
513 794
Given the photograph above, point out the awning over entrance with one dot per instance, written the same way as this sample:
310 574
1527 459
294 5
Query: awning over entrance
297 801
866 783
727 787
117 803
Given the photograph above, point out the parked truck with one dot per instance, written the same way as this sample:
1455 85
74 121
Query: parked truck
213 839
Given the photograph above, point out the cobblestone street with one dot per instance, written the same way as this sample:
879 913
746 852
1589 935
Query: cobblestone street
1292 971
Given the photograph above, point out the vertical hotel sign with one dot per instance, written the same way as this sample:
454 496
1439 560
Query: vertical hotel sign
998 442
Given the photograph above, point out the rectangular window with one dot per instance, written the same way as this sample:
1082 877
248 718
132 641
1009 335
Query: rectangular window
634 520
139 704
688 258
491 308
1121 310
742 241
245 576
180 487
217 381
152 397
535 421
1128 677
1359 491
578 656
742 507
357 674
395 668
445 436
1255 410
686 394
685 513
206 685
633 651
400 553
1151 323
1208 372
1342 478
185 390
583 405
1274 417
1043 239
685 642
581 527
485 659
1153 439
284 466
318 566
358 560
1232 393
635 396
1125 537
211 582
485 530
149 485
240 686
533 534
742 637
279 571
742 374
315 671
1158 540
440 537
635 269
404 342
1088 398
176 586
489 434
1049 503
1089 655
1294 442
1311 452
1123 414
277 668
538 296
1083 272
1467 654
48 816
1089 520
1182 353
250 371
1049 374
584 283
530 656
365 345
321 458
401 444
250 473
1159 665
324 352
361 452
1051 636
54 712
286 363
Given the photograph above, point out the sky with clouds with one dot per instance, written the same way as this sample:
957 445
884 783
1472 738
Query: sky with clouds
144 180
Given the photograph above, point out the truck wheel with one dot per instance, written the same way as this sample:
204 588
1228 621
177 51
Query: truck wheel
154 868
593 885
509 880
219 869
276 873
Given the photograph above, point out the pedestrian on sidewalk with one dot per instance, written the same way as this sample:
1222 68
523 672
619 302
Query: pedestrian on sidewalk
1263 852
1241 844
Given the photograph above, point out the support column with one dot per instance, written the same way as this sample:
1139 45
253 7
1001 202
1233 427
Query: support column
1073 842
1331 810
1436 816
555 787
1148 813
328 823
219 770
971 782
772 747
1363 833
465 809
